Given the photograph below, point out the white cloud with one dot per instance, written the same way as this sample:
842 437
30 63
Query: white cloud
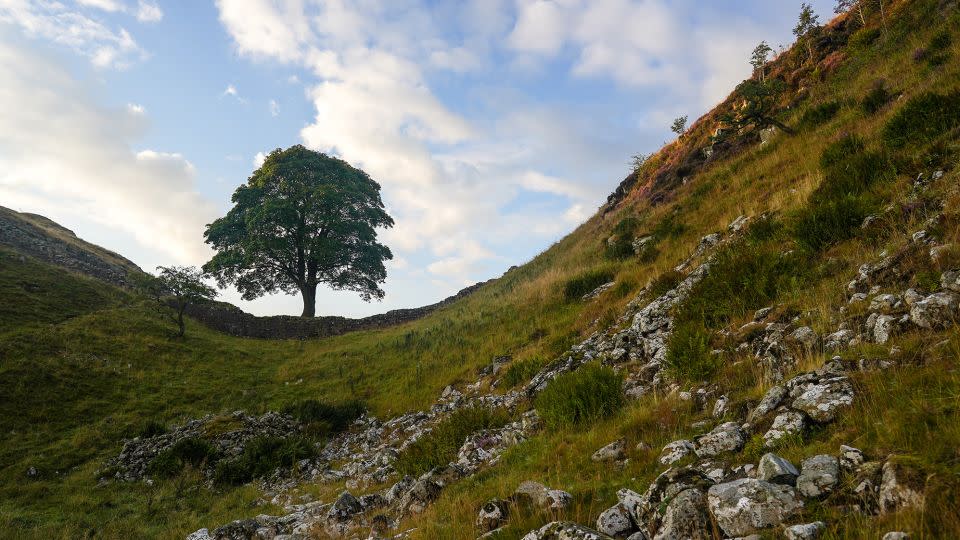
149 12
274 108
136 109
105 5
231 91
80 165
258 159
56 22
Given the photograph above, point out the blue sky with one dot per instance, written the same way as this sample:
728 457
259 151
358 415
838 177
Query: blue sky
494 126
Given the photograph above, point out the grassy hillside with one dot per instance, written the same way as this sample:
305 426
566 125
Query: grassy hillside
84 366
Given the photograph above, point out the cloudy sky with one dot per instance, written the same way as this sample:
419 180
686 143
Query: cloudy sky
494 126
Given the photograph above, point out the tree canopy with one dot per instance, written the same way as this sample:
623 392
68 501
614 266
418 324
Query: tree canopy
174 288
302 218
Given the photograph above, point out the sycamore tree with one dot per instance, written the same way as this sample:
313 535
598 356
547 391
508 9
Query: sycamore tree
174 288
757 107
303 218
679 125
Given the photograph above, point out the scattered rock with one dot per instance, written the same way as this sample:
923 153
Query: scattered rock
786 424
615 521
727 437
821 401
686 518
771 400
938 310
564 530
614 451
720 407
807 531
851 458
492 515
675 451
748 505
896 535
776 470
818 476
900 487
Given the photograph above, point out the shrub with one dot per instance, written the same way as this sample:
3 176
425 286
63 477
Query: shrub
820 225
923 119
521 371
936 53
864 37
151 429
820 114
663 283
440 446
836 152
190 451
876 98
622 245
668 227
319 418
586 395
261 456
586 282
742 278
689 357
854 175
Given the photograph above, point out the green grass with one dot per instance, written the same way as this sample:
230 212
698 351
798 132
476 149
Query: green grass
83 365
440 446
580 397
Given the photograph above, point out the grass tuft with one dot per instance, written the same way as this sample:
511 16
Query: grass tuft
583 396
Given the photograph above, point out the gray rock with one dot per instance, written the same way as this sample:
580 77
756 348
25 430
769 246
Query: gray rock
492 515
675 451
896 535
564 530
557 499
938 310
823 400
951 280
737 224
615 521
639 535
540 495
884 303
818 476
720 406
727 437
771 400
776 470
900 487
748 505
786 424
201 534
805 336
686 518
806 531
614 451
851 458
344 507
884 328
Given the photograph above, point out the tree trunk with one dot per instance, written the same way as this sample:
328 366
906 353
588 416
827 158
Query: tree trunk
181 325
309 293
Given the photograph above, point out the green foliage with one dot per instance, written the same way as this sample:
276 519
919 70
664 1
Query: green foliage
261 456
689 357
301 219
174 288
663 283
876 98
621 246
191 451
575 288
151 429
923 119
440 446
580 397
864 37
937 51
831 221
820 114
669 227
320 419
679 125
837 207
521 372
742 278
